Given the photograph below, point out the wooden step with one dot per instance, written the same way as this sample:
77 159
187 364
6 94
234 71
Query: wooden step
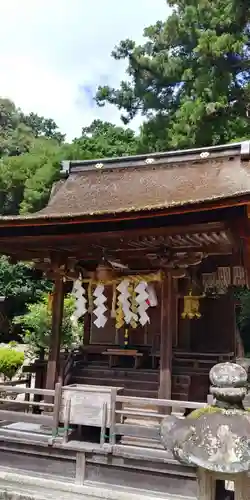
140 393
137 384
138 374
180 396
146 391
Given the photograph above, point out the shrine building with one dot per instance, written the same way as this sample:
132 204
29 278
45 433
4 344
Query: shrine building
152 247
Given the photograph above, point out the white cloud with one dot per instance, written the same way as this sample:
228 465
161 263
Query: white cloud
50 49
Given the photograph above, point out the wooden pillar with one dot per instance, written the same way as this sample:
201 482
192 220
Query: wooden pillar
174 312
55 338
166 338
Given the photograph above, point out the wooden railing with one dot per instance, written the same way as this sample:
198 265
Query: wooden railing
115 414
123 407
22 381
51 419
13 383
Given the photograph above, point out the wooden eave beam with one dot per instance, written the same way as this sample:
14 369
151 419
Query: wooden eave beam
89 246
126 234
92 250
210 205
126 257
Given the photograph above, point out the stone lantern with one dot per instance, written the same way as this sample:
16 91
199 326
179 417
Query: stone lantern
217 439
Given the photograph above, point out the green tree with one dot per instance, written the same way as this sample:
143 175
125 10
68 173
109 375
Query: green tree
103 139
18 131
36 325
15 136
21 283
190 79
19 280
26 180
42 127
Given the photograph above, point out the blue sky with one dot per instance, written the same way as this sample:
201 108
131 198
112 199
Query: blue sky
54 53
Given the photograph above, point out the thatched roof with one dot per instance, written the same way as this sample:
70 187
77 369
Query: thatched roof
143 184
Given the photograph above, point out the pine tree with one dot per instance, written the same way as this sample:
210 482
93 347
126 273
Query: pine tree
190 79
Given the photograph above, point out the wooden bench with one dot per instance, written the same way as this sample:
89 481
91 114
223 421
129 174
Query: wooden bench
90 350
115 354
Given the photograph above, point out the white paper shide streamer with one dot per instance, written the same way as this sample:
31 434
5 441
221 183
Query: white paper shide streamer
142 301
124 300
100 307
152 297
78 292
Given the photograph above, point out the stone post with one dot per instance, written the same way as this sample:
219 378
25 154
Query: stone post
217 439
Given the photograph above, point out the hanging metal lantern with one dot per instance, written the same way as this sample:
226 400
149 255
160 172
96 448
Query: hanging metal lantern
191 306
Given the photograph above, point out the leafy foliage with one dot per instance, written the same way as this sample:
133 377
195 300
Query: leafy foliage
37 322
20 280
20 283
17 130
30 153
244 318
10 361
190 78
103 139
42 127
26 180
15 136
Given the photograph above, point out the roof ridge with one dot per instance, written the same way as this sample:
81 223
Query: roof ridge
241 149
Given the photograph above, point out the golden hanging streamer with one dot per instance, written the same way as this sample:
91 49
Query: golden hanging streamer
119 317
191 306
114 300
90 297
50 301
133 308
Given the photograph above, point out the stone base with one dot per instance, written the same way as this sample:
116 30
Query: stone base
14 486
240 484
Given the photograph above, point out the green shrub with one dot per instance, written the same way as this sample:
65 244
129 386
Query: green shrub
10 362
